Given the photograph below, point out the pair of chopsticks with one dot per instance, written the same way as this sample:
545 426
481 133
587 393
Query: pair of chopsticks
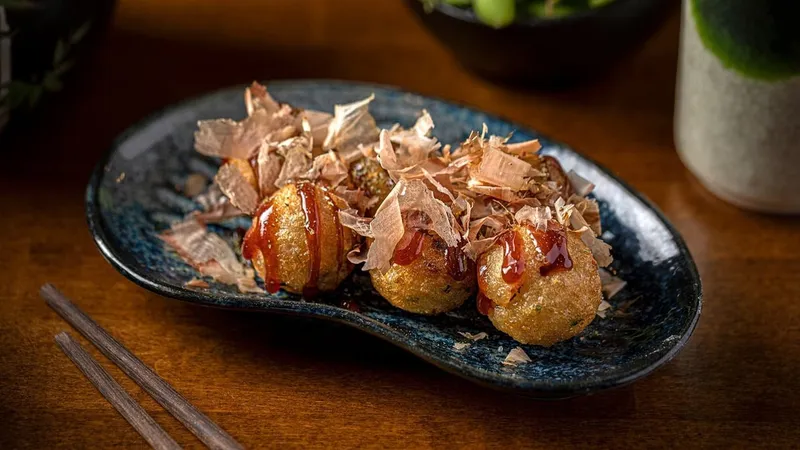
198 423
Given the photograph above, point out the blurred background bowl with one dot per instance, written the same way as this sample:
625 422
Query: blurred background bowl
547 52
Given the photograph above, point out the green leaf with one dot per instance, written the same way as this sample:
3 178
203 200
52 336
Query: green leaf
59 53
51 82
81 32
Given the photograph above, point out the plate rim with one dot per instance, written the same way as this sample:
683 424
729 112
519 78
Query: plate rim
536 388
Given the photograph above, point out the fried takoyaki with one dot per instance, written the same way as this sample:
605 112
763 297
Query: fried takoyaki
431 226
425 275
539 286
296 241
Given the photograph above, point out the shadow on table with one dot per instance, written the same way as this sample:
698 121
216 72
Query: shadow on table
337 352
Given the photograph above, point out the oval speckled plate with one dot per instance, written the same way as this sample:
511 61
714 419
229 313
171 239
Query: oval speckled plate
653 316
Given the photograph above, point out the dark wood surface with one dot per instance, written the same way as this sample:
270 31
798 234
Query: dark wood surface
279 382
116 395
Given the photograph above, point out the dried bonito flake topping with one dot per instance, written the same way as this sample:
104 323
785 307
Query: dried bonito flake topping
497 168
612 284
268 166
537 217
352 125
474 337
329 168
256 97
386 183
523 149
237 182
414 147
580 185
568 216
516 356
297 157
226 138
209 254
318 123
387 227
603 309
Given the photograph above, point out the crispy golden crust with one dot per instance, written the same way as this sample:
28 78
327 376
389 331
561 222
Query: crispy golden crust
292 246
543 310
424 286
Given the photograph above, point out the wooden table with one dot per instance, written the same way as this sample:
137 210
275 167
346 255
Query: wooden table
276 382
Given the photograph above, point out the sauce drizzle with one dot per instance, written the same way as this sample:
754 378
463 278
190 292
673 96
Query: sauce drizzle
409 248
458 264
513 259
339 231
484 303
553 244
261 237
308 202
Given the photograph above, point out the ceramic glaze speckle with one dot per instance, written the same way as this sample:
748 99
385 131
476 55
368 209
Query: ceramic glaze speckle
158 154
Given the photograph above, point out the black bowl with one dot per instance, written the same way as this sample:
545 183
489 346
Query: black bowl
546 52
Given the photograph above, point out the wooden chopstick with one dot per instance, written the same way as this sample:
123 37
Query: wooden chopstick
198 423
113 392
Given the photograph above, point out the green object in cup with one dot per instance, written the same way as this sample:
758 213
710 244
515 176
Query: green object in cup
759 39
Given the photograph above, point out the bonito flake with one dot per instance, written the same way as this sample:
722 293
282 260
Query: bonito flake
466 196
209 254
352 125
236 186
387 227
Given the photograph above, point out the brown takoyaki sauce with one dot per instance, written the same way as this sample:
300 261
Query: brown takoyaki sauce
308 202
484 303
553 244
409 248
339 231
458 264
513 259
262 237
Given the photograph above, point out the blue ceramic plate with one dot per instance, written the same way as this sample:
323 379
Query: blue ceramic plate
661 302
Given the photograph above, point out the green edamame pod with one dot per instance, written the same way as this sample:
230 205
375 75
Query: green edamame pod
495 13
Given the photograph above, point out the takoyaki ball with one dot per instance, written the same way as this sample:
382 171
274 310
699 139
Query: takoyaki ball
540 309
432 280
368 175
297 242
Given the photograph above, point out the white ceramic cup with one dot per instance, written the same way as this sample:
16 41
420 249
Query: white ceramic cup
737 132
